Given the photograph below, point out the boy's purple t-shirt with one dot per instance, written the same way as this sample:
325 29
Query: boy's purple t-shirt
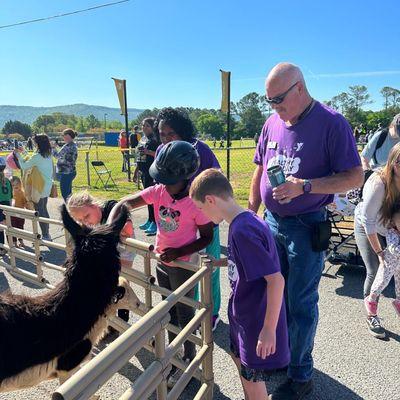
207 157
252 254
319 145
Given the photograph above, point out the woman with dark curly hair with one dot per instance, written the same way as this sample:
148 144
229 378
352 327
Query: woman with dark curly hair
66 162
174 124
42 160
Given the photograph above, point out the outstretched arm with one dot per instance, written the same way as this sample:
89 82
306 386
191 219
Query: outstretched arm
206 236
132 201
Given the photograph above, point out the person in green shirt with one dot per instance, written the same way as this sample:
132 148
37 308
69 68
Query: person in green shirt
6 195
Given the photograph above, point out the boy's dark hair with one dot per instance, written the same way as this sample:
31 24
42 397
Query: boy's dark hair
179 121
210 182
43 144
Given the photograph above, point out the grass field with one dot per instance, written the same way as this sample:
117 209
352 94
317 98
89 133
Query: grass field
241 170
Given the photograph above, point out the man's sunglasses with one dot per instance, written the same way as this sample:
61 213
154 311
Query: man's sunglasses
281 97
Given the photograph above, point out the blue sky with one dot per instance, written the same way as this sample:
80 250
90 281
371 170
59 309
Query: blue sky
170 51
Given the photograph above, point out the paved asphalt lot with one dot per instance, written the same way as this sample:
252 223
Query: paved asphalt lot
349 363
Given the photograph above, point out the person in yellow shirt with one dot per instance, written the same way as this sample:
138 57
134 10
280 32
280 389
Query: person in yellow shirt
19 200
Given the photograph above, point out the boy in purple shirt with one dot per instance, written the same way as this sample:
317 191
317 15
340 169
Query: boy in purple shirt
257 319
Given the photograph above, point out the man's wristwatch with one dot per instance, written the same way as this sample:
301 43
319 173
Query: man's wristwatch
307 186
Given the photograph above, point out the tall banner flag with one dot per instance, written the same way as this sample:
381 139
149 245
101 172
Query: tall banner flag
226 83
121 88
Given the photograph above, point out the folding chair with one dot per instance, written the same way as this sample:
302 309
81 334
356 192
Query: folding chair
343 248
103 174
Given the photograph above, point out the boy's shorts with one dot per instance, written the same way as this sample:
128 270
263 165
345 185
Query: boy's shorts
250 374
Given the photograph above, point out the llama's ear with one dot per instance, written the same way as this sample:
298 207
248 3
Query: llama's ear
118 224
69 223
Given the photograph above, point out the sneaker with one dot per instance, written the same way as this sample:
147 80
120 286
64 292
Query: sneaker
151 230
173 377
371 306
46 237
21 242
215 320
396 305
375 327
175 374
291 390
144 226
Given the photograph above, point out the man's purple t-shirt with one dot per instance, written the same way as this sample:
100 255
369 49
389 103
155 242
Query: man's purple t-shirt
207 157
252 255
319 145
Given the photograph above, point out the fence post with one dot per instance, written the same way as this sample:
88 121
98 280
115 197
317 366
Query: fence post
97 150
206 328
11 244
160 354
147 272
87 167
36 245
128 159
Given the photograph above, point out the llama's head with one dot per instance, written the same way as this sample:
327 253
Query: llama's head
95 242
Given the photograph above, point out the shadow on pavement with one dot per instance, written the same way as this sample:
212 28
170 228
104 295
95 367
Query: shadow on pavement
353 281
145 358
221 336
4 286
328 388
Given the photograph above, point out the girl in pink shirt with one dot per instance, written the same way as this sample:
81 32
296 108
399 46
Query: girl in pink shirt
178 223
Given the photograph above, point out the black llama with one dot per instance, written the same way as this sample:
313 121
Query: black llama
50 335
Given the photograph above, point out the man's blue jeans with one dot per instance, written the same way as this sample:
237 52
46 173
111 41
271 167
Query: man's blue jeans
302 269
66 184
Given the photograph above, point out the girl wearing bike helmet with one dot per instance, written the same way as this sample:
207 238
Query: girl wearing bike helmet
178 222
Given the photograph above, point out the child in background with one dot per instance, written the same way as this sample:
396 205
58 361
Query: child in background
178 221
19 202
257 319
389 266
5 197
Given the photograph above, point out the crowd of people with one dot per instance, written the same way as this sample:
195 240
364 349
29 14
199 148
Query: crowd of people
275 261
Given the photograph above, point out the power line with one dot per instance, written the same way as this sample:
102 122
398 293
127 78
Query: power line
63 15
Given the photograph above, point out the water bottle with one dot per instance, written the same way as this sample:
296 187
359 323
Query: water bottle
277 177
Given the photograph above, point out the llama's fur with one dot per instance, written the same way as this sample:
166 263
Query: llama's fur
50 335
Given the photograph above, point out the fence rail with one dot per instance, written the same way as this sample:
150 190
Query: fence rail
151 327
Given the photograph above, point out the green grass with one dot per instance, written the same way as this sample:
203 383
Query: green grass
241 170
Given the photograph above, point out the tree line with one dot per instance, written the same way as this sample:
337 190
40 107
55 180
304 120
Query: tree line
352 102
247 116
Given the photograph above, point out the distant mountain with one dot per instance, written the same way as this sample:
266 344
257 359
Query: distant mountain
28 114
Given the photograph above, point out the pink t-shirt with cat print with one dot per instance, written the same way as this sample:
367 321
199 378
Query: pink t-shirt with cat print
177 220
